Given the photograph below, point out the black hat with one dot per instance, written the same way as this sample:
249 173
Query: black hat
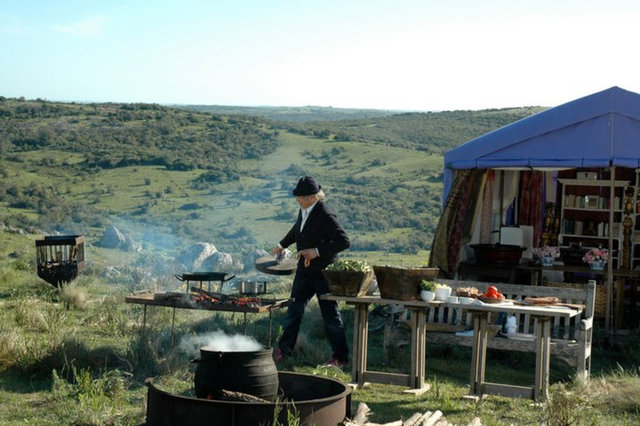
306 186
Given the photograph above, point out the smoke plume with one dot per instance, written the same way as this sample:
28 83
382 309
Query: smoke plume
220 342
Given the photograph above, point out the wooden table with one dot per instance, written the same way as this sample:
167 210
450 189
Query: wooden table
359 373
415 379
172 300
620 276
544 316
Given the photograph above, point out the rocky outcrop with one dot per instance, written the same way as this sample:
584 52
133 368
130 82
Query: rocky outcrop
115 239
193 256
221 262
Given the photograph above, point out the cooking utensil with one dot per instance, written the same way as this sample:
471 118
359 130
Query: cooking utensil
269 265
253 287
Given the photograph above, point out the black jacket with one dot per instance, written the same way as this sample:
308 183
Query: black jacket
322 231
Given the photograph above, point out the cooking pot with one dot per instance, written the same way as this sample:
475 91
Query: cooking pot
251 372
502 254
253 287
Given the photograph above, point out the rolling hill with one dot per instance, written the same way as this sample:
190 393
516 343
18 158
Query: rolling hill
171 176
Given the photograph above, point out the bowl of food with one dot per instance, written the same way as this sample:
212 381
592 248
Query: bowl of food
471 292
443 292
492 295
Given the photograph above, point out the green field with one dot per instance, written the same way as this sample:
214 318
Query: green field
151 199
78 356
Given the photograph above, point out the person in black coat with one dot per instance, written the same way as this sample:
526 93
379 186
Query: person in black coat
319 237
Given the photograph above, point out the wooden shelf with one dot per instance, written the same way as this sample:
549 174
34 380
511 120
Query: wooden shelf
586 209
594 182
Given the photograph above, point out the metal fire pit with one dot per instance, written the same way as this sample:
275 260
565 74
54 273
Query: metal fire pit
317 401
60 258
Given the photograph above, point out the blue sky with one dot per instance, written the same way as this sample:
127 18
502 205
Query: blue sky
402 54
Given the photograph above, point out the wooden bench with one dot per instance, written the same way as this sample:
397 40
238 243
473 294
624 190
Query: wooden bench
571 338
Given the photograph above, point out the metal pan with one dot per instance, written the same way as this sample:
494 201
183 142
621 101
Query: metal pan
269 265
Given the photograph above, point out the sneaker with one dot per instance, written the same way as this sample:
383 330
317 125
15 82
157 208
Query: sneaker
279 355
334 363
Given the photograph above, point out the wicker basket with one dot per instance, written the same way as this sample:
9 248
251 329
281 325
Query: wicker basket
402 283
348 283
600 304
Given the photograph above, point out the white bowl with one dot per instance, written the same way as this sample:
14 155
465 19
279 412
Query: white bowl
427 296
452 299
465 300
442 293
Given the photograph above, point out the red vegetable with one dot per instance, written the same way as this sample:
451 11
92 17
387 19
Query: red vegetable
492 293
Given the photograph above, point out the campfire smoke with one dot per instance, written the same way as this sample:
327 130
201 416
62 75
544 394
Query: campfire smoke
219 341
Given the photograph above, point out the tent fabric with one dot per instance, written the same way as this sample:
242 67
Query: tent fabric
529 211
454 227
599 130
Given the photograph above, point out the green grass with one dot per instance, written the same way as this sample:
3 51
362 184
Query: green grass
79 357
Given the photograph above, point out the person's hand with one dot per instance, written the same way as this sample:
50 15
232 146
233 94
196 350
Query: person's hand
277 250
308 255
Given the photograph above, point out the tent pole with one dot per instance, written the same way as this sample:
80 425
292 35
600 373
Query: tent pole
609 305
501 202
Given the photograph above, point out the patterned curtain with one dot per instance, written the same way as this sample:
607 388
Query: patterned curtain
455 225
487 204
530 209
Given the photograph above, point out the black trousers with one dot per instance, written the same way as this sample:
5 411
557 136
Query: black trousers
303 289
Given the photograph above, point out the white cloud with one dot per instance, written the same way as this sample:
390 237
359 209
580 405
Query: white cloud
89 27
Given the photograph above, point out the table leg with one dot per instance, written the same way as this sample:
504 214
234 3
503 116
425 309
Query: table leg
144 320
173 322
360 333
270 326
478 352
418 347
543 355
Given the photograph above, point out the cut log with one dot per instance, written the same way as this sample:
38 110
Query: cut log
227 395
362 414
475 422
361 417
414 420
432 419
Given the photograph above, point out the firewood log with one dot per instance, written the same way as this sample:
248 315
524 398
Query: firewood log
432 419
414 420
227 395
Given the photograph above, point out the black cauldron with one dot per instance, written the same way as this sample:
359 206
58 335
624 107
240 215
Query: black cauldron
250 372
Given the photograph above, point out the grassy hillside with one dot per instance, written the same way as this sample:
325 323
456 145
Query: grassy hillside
170 177
431 132
293 114
78 356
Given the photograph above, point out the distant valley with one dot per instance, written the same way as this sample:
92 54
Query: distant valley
172 175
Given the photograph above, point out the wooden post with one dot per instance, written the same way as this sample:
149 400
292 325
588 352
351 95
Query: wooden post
609 281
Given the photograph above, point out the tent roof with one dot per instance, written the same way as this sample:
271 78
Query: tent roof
599 130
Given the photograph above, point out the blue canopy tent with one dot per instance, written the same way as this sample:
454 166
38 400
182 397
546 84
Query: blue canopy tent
601 130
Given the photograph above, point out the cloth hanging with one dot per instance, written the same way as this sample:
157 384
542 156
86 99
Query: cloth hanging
485 215
530 209
454 226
